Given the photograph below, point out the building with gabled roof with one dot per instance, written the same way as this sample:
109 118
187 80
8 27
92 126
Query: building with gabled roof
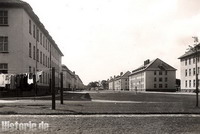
188 69
155 75
121 81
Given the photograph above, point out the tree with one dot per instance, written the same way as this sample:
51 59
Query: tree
104 84
93 84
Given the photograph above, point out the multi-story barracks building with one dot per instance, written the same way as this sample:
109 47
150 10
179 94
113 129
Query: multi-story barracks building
155 75
25 45
188 70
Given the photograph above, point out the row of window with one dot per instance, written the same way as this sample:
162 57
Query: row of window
43 58
39 36
160 79
189 61
161 86
188 72
160 72
188 83
3 18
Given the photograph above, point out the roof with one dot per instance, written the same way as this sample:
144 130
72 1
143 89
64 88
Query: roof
120 76
190 52
64 68
156 64
78 78
124 75
29 10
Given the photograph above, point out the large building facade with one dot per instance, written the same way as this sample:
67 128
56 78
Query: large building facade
188 70
25 44
155 75
119 82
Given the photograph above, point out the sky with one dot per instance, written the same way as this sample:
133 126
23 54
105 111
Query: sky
101 38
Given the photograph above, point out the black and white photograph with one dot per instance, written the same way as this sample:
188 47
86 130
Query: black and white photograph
99 66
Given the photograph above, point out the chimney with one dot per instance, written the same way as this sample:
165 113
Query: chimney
121 73
146 62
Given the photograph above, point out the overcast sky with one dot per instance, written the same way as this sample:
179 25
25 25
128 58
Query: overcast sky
101 38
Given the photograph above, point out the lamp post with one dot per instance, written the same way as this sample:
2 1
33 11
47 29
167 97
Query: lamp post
195 50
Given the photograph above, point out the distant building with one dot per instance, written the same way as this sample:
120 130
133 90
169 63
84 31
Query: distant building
71 81
68 76
155 75
111 84
78 83
188 71
121 82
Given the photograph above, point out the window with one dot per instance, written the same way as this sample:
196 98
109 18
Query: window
48 47
194 83
30 27
189 61
166 79
37 55
3 44
160 86
41 57
160 72
189 83
3 18
30 69
33 70
189 72
155 79
41 38
160 79
3 68
34 52
30 51
46 61
33 31
193 71
185 72
186 83
155 86
166 86
186 62
37 35
194 60
165 72
43 41
154 72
